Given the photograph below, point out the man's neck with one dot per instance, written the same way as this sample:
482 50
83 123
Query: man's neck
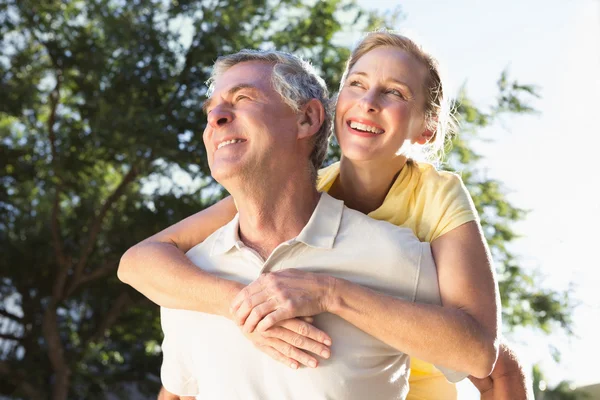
363 186
272 214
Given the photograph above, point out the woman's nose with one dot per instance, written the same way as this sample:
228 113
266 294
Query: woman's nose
369 101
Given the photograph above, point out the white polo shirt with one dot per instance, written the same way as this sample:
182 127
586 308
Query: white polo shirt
208 356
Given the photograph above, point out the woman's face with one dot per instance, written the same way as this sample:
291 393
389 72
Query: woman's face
380 105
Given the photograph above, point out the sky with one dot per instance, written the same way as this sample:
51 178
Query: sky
546 161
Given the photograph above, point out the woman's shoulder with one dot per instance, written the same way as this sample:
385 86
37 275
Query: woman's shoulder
327 176
435 182
431 175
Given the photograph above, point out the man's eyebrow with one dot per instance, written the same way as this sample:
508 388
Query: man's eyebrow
230 93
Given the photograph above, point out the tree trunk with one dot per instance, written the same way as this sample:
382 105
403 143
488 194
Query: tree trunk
60 389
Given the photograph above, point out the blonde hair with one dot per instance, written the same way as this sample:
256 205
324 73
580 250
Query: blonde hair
437 113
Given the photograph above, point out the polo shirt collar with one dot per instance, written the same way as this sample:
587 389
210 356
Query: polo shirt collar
324 223
320 231
228 237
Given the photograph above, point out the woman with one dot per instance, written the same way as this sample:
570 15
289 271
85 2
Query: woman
390 103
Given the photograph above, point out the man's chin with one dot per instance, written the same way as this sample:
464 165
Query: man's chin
225 173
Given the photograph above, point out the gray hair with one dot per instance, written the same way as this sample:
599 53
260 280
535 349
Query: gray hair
296 81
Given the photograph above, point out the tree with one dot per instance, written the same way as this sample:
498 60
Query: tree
524 301
98 98
100 111
562 391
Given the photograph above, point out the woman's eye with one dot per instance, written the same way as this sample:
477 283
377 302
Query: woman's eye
395 93
355 83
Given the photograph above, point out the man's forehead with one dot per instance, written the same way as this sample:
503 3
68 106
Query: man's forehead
245 74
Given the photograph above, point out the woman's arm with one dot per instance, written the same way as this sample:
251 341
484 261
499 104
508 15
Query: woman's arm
461 335
158 268
507 381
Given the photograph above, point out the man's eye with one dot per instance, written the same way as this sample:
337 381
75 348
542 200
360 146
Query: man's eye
240 97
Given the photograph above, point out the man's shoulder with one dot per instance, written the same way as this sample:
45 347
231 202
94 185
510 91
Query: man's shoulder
215 241
355 224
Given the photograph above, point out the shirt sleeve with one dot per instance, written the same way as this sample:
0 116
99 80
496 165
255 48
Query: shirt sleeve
177 366
453 204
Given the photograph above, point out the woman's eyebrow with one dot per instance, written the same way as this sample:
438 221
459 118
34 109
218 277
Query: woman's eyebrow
392 80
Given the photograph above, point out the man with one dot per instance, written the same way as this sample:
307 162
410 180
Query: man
266 136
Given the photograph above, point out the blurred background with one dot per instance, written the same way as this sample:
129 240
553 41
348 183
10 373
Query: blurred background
100 147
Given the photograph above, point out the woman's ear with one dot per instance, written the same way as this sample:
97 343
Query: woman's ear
424 137
310 118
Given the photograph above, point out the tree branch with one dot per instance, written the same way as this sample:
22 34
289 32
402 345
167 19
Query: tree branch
97 225
97 273
52 337
18 378
57 242
12 316
8 336
122 302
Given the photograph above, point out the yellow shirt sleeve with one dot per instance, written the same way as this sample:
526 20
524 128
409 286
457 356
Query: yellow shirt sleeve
451 204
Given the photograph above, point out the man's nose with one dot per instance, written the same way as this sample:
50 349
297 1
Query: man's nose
219 117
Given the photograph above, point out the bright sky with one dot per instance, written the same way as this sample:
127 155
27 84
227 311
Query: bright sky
545 161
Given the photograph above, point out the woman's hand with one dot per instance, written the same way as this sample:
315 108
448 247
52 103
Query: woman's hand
281 295
290 342
507 380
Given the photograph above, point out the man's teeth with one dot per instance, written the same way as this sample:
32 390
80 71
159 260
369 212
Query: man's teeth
365 128
225 143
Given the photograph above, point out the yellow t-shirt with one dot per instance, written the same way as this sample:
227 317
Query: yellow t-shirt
430 203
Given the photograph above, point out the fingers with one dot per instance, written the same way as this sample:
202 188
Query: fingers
268 320
301 342
278 356
241 314
247 292
264 316
289 354
306 329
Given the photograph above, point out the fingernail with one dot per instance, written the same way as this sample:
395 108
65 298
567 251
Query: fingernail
313 363
294 366
325 353
327 342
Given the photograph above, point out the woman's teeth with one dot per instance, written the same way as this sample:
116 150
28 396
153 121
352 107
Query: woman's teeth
365 128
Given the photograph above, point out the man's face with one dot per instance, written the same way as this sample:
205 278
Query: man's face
250 129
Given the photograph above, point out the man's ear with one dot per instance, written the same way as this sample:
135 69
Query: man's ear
310 118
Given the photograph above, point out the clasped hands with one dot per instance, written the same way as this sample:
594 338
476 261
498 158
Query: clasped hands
275 312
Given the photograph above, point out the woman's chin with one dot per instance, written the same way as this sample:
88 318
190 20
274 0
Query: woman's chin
360 153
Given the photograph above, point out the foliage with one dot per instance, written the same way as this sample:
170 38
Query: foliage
562 391
524 301
100 100
99 120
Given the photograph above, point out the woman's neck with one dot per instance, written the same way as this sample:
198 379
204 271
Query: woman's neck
363 186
